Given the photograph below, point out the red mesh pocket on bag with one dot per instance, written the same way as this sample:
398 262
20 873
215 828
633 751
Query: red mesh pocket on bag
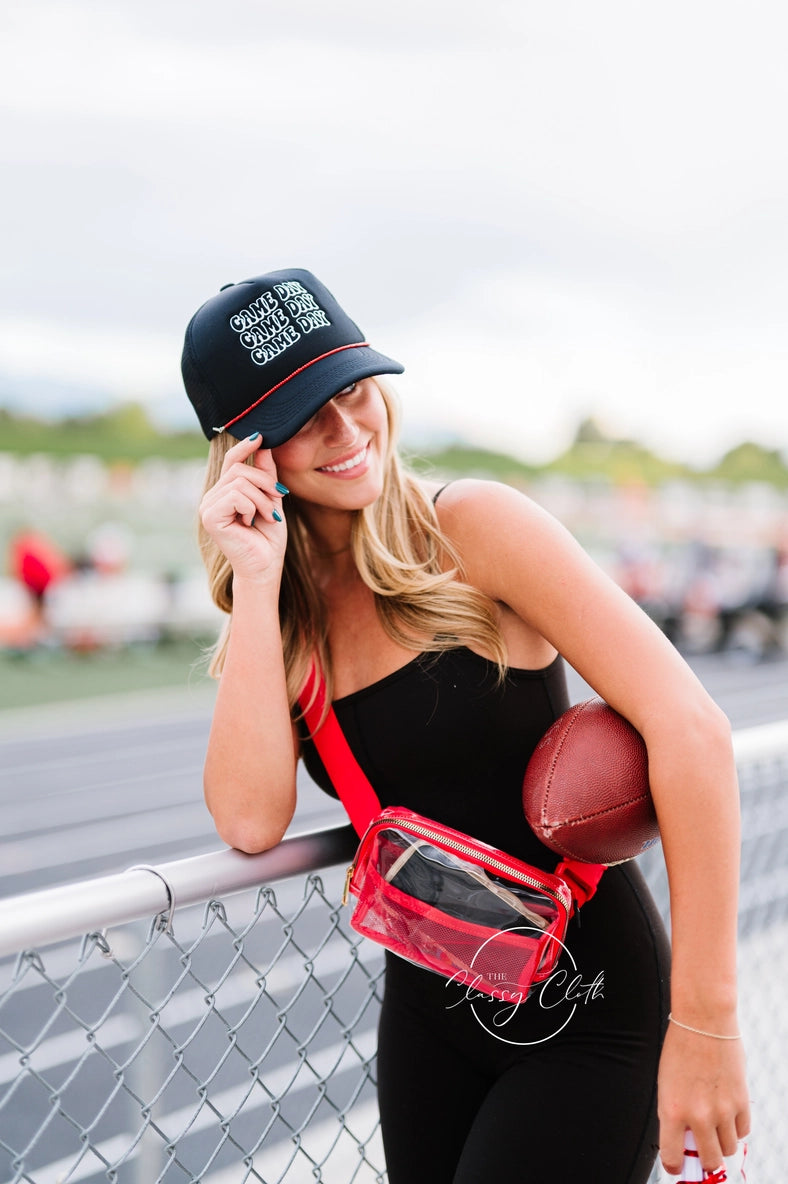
502 962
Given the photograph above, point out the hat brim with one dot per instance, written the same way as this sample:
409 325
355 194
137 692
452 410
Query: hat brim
285 411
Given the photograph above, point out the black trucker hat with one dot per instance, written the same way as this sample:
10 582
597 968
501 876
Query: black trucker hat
266 354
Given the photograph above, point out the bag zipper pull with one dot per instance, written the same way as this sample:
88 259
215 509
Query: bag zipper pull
348 877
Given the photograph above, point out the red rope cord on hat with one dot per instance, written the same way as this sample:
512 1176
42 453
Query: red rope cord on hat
338 350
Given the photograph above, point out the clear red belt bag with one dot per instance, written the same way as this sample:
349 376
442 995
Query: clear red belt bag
438 897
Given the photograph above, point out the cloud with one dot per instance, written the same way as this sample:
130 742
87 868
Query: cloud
588 196
125 365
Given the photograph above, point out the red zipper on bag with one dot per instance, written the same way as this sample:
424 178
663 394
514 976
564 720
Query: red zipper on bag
485 856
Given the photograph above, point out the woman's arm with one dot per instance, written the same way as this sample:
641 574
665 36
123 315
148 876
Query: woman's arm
252 750
250 765
522 558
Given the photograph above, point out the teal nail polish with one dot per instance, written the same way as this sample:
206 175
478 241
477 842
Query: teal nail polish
254 436
280 488
277 516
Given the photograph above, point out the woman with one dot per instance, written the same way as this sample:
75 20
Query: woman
438 616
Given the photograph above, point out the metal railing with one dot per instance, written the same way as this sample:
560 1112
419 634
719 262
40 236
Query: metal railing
232 1037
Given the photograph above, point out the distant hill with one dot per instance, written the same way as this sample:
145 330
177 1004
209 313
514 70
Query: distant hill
122 433
470 462
593 454
126 433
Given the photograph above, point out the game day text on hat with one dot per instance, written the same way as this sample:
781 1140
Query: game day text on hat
265 354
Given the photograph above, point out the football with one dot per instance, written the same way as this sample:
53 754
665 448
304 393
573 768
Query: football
586 790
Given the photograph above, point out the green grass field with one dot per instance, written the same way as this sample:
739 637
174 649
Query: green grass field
55 676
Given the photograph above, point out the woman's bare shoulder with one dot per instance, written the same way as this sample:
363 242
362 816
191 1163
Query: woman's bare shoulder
501 534
467 501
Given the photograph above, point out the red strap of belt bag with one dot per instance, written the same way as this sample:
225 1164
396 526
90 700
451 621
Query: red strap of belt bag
348 778
362 803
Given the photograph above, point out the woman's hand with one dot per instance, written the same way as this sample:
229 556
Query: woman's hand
702 1087
242 512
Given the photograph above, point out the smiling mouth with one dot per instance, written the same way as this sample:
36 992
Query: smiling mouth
352 463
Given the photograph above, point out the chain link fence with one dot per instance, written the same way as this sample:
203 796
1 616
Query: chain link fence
234 1040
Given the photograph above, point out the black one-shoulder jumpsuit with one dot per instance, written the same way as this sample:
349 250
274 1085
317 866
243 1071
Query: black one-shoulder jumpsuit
561 1088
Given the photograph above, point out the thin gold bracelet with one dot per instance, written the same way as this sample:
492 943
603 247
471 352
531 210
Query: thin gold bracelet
700 1032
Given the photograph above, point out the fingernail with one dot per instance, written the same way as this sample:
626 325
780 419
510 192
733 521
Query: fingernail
280 488
254 436
253 518
277 516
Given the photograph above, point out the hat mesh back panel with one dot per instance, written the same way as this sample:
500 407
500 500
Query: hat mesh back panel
202 397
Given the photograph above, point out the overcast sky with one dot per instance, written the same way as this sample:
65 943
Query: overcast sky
544 210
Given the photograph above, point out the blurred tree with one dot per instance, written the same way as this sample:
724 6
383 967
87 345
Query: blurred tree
457 459
753 462
590 432
595 453
126 432
123 432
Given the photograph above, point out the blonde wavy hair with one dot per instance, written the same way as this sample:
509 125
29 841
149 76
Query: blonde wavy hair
423 601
